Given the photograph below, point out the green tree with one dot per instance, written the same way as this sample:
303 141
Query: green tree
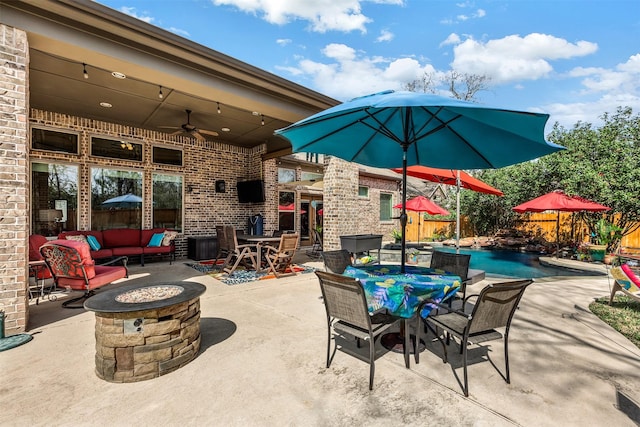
601 164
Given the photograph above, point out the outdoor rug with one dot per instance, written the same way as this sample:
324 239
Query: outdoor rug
241 276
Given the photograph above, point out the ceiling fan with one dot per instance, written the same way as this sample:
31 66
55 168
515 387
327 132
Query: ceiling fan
190 129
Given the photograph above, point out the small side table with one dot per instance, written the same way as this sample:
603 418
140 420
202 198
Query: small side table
36 268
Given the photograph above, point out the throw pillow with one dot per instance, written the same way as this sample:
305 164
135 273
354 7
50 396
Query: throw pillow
156 240
168 237
93 242
78 237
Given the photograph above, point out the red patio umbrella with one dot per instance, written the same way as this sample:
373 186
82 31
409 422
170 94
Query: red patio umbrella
557 200
449 177
290 207
459 178
422 204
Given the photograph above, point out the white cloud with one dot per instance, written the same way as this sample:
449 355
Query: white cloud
131 11
283 42
349 73
452 38
480 13
385 36
322 15
179 32
515 58
624 79
568 114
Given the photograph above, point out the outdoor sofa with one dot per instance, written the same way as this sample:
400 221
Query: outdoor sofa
127 242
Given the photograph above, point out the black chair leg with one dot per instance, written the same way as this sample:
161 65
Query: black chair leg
67 304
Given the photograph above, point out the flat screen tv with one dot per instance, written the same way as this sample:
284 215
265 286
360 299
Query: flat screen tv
251 191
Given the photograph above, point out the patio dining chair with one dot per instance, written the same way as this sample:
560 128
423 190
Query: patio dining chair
316 248
348 316
281 258
494 308
72 267
457 264
336 261
245 254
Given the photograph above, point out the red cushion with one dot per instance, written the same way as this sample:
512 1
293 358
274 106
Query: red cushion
85 255
104 275
35 241
629 272
120 237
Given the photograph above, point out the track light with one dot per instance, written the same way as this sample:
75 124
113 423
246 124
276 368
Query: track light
262 119
84 71
160 94
218 108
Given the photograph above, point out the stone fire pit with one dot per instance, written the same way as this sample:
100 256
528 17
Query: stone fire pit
143 332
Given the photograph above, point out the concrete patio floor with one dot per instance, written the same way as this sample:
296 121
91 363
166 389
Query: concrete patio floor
262 363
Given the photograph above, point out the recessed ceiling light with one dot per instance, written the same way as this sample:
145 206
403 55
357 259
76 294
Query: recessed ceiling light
225 129
106 105
118 75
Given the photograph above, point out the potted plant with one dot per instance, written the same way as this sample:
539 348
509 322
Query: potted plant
606 235
412 256
397 235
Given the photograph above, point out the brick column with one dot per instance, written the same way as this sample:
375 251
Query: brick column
14 180
340 197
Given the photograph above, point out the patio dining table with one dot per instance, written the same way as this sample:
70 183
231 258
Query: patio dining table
401 294
260 242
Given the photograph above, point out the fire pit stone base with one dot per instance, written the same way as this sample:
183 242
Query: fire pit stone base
140 345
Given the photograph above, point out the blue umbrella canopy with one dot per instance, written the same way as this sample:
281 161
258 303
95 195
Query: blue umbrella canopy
392 129
126 200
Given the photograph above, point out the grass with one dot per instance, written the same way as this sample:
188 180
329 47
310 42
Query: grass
623 315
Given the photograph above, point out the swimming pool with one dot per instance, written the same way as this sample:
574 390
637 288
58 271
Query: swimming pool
501 263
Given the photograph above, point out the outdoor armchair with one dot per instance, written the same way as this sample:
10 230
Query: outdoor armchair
494 308
626 282
348 316
72 267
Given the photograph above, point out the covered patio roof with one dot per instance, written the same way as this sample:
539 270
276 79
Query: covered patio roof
64 35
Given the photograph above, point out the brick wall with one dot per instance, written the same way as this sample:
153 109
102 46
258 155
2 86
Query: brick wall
13 178
204 163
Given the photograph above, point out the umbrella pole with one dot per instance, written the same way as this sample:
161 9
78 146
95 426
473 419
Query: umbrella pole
457 211
558 234
403 215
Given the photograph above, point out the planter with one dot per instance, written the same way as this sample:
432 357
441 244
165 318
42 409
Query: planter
609 258
597 252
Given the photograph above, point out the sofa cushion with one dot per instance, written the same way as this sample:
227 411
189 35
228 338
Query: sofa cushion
145 235
127 250
102 253
169 236
121 237
156 240
157 249
93 243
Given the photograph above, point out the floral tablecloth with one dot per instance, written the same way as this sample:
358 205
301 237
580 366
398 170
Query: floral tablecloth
401 294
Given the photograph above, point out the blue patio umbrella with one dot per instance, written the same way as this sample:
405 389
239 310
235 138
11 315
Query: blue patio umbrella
125 201
399 129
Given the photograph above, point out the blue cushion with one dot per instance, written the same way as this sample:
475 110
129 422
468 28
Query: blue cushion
156 240
93 242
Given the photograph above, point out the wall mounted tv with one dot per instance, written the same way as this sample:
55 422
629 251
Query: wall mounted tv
251 191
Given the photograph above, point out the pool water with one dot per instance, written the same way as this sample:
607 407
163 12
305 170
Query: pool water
501 263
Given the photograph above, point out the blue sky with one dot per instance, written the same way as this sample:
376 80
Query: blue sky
572 59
